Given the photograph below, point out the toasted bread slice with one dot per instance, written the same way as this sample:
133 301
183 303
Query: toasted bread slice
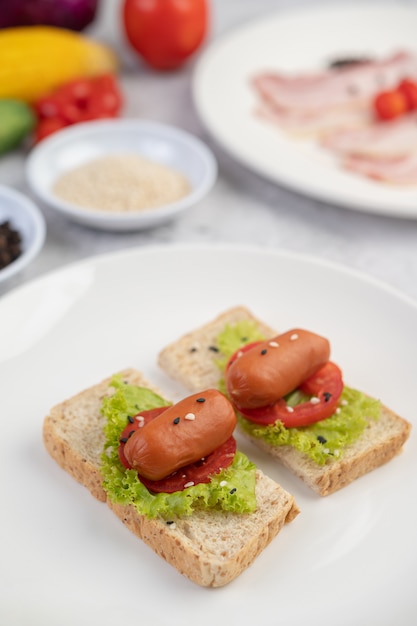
190 361
209 548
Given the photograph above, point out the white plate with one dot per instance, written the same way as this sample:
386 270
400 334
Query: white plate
301 40
78 144
25 217
66 559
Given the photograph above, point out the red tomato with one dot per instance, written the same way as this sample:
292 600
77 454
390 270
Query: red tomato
78 101
165 33
409 89
47 127
326 385
390 104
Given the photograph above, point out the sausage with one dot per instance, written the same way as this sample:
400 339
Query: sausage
273 368
183 434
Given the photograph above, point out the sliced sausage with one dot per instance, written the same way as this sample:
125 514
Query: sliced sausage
183 434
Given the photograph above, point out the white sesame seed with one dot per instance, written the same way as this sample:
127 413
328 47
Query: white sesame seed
326 450
223 483
293 337
289 409
141 420
344 402
314 400
337 411
190 484
189 416
336 452
274 344
172 525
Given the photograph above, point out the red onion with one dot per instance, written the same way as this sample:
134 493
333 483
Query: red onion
71 14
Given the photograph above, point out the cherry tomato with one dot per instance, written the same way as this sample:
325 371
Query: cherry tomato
165 33
326 385
390 104
48 126
78 101
409 89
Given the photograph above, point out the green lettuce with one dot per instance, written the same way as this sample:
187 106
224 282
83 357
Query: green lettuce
327 438
232 489
321 441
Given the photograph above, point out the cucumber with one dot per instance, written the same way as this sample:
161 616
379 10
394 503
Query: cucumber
17 120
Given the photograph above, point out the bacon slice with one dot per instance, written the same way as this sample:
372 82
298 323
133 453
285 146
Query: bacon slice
400 171
314 124
348 86
383 140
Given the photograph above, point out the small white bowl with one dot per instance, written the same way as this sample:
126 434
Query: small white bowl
25 217
78 144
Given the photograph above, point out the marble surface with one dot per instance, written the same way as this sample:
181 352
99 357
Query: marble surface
242 208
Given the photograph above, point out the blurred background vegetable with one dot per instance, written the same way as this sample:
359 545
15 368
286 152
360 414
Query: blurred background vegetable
80 100
17 120
165 33
72 14
36 59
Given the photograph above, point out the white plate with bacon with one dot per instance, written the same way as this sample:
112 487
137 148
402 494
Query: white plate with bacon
291 96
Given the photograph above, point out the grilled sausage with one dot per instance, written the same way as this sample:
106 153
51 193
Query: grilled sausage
273 368
183 434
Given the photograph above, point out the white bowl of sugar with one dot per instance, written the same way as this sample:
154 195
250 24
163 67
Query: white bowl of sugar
121 175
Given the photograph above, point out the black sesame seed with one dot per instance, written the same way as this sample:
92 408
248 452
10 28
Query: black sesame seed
327 395
132 432
264 351
130 419
232 491
193 349
321 439
200 400
123 439
177 420
170 522
214 348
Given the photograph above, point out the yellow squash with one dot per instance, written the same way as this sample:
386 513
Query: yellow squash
36 59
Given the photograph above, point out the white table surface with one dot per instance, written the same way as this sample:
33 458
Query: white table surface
242 208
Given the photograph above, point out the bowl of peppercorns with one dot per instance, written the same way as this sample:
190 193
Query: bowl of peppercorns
22 232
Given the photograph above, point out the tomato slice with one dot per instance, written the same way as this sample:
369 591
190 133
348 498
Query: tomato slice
192 474
325 387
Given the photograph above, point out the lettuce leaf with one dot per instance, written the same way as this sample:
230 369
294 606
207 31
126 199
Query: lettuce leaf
232 489
326 439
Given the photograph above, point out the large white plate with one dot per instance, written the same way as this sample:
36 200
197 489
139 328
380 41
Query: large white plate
66 559
301 40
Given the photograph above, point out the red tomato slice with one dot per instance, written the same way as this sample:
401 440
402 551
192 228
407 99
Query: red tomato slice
195 473
325 387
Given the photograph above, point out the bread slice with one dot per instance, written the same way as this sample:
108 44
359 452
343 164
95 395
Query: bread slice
209 548
191 360
380 442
